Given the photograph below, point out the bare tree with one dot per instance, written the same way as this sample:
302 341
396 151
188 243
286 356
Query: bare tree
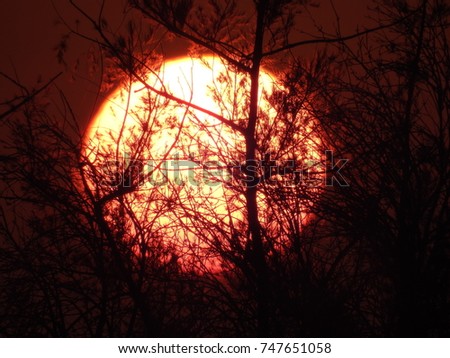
388 112
279 243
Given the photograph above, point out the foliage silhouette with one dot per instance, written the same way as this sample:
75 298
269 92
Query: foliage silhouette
85 254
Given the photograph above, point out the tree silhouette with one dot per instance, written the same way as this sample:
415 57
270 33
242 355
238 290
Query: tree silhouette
282 243
390 116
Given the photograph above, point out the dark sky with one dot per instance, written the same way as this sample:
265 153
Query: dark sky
30 31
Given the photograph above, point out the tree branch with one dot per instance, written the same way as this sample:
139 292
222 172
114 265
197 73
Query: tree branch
335 39
28 97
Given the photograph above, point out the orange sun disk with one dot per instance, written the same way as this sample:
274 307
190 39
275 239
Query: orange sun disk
180 154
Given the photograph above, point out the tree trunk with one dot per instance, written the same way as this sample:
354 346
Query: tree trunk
257 257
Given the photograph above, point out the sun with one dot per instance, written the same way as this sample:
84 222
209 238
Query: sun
163 151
